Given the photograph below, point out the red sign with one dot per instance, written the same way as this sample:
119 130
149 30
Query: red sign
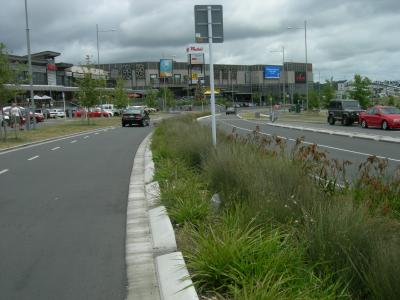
51 67
300 77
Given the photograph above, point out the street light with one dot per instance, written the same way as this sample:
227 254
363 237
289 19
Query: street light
28 43
98 58
305 44
283 73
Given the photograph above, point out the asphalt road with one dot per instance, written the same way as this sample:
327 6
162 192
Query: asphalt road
63 217
340 147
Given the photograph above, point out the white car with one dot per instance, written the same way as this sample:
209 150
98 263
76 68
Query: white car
56 113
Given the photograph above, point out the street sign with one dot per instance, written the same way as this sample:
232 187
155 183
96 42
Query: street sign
201 23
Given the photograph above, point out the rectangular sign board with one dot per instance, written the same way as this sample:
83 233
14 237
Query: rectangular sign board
201 23
272 72
300 77
165 68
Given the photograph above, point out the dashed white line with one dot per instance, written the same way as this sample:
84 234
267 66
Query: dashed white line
33 157
3 171
86 137
73 142
55 148
96 133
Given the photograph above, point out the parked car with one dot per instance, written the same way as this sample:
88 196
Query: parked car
110 109
44 112
135 117
230 110
55 113
97 113
385 117
346 111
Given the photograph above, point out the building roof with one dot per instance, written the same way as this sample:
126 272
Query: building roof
45 54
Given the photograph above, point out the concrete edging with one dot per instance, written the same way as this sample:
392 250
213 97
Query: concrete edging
150 239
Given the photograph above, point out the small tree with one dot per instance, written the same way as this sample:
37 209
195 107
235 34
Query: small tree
6 75
199 93
361 91
151 97
120 97
328 92
313 100
257 97
88 88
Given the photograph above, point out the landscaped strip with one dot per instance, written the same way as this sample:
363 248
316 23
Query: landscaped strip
276 233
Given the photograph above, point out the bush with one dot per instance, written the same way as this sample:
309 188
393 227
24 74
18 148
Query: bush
237 262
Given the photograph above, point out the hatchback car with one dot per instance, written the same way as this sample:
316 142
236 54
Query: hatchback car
135 117
385 117
230 110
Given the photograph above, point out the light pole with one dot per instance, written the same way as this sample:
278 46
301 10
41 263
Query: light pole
98 59
305 46
283 73
28 43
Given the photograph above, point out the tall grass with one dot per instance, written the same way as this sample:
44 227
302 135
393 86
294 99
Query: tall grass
292 237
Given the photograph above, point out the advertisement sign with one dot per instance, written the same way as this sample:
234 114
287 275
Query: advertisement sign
196 75
300 77
194 49
196 58
165 68
272 72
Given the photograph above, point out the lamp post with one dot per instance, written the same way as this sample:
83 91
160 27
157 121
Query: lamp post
284 75
305 46
98 57
28 44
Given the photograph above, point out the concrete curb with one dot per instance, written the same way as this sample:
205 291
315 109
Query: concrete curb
54 139
150 234
162 232
175 283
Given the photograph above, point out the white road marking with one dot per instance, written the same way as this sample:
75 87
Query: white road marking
96 133
3 171
55 148
33 157
86 137
319 145
73 142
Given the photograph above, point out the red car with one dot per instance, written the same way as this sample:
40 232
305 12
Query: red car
91 114
385 117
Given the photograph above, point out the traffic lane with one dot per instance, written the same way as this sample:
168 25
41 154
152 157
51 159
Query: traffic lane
18 157
365 146
67 239
333 152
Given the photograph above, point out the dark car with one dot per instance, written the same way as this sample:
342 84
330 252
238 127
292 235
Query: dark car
135 117
230 110
346 111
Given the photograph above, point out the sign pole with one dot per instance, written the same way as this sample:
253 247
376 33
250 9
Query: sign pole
213 121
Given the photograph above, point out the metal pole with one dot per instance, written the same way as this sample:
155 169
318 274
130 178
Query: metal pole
28 43
65 113
284 75
98 52
305 43
213 122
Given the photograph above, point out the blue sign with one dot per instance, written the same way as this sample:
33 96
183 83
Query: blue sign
272 72
166 68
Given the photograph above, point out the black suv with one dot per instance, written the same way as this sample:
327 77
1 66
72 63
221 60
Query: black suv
346 111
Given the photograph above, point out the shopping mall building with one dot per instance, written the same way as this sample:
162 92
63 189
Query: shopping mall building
244 83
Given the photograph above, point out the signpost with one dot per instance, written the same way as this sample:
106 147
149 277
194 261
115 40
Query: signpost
209 29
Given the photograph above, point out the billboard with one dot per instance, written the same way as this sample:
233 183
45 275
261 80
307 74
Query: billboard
165 68
193 48
196 58
300 77
272 72
196 75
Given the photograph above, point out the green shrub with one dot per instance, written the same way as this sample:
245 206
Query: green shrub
363 250
252 263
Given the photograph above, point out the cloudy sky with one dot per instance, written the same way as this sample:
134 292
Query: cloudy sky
344 37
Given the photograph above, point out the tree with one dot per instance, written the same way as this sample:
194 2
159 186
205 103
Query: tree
88 88
167 95
120 96
151 97
199 93
361 91
6 75
257 96
328 92
313 100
